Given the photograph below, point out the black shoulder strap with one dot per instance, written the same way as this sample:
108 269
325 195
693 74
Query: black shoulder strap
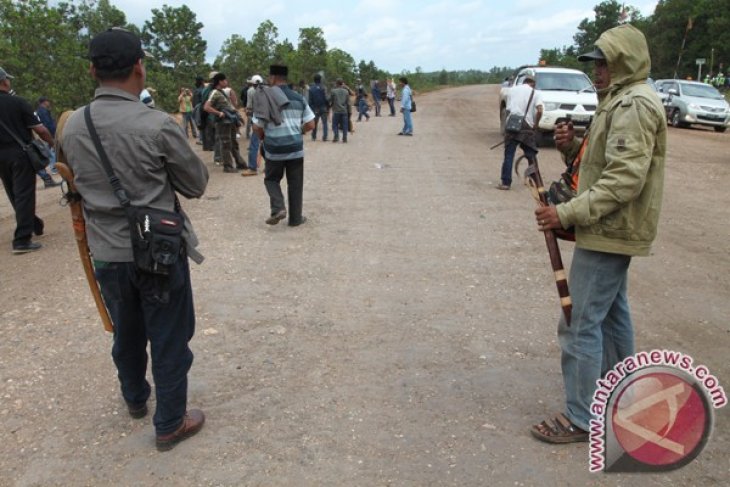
529 101
113 179
13 135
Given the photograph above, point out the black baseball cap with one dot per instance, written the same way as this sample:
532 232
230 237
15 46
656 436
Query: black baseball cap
115 48
591 56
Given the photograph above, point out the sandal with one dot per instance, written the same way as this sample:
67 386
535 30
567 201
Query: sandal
559 430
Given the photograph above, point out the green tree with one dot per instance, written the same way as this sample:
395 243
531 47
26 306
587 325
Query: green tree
608 14
92 17
708 30
263 47
311 55
53 64
174 39
235 58
566 57
340 64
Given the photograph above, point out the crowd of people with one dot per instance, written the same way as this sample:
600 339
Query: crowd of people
614 213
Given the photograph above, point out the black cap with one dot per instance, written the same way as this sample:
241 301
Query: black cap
278 70
115 48
218 78
591 56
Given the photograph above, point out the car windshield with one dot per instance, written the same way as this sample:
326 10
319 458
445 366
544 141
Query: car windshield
563 82
701 91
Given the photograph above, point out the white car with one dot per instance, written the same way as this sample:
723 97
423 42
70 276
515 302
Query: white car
566 94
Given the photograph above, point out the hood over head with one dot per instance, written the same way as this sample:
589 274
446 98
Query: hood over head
627 55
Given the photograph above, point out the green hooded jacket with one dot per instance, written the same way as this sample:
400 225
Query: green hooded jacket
621 178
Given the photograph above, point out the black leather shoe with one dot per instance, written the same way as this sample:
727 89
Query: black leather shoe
27 247
193 422
137 411
301 222
230 169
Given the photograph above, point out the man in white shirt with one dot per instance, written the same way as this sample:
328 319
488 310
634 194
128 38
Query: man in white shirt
522 100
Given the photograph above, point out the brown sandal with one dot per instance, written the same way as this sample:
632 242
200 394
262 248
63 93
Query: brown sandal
558 430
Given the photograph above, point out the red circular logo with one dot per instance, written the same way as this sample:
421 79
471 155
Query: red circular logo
661 419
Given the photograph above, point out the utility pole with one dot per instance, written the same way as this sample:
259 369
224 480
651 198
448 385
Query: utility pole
712 61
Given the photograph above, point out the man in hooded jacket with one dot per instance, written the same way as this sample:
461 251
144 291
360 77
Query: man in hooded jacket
615 214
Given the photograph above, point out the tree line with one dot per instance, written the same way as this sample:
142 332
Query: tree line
46 46
702 26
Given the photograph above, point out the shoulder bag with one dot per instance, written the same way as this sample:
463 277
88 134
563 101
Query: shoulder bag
36 151
515 122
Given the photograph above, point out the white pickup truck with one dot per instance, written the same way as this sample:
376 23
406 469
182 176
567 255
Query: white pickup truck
566 94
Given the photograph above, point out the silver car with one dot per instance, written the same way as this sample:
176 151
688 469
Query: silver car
694 103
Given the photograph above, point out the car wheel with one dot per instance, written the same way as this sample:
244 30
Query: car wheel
675 119
720 129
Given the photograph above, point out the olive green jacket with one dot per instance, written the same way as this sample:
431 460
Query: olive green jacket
621 177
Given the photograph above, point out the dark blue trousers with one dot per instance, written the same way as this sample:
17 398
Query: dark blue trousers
139 317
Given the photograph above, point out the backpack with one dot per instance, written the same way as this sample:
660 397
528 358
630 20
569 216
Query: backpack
317 97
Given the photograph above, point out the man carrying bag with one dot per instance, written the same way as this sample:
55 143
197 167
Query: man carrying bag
129 162
17 120
524 106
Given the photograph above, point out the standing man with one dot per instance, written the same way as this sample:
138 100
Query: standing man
153 161
198 100
406 103
615 215
220 106
339 100
185 101
375 91
43 110
209 141
284 148
16 172
526 101
253 143
390 95
318 104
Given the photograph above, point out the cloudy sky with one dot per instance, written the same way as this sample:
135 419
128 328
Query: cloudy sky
401 35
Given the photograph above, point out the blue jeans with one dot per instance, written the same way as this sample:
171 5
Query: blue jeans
138 317
188 122
253 150
407 121
320 114
391 104
601 333
362 110
339 121
510 147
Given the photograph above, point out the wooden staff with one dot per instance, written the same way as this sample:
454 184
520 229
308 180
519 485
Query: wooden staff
79 225
533 180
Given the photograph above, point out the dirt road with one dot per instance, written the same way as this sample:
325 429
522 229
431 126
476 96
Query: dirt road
405 335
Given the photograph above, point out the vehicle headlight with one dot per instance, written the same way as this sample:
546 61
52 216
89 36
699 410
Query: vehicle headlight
693 106
549 107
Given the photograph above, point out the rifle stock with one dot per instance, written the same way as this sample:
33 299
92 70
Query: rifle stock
533 178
